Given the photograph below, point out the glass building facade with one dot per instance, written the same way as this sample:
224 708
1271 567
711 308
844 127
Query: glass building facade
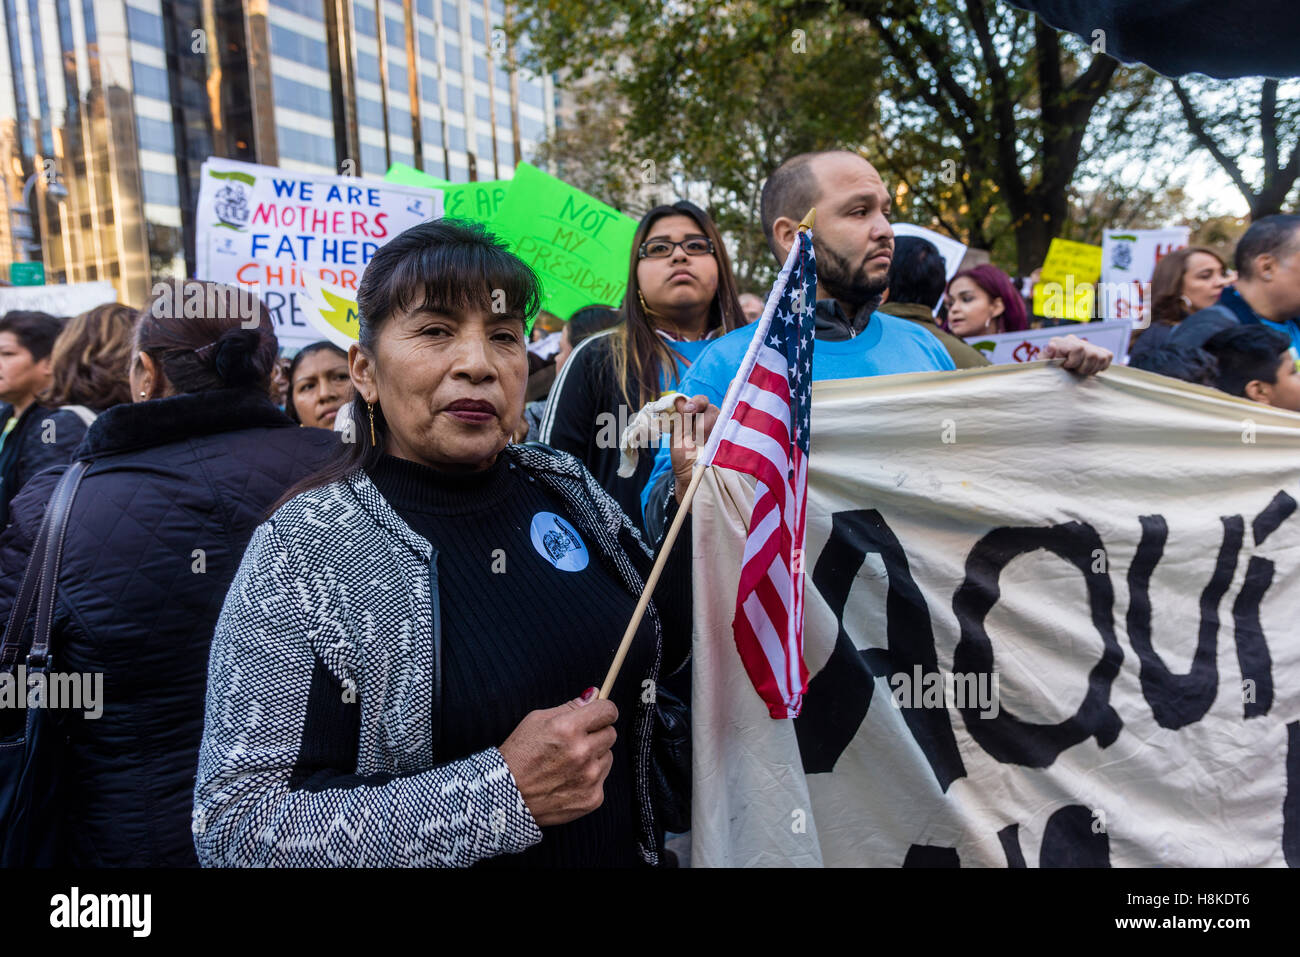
108 108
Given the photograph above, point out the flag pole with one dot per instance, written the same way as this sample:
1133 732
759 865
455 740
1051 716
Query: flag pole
670 539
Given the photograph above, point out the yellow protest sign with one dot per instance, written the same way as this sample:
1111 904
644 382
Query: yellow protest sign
1066 287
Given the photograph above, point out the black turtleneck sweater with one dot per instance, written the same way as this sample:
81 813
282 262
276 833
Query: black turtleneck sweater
531 617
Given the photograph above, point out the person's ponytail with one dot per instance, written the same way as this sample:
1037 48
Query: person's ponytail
237 359
200 333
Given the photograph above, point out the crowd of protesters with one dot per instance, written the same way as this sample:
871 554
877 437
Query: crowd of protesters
340 599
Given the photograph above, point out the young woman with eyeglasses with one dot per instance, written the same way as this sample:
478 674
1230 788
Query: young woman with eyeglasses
680 296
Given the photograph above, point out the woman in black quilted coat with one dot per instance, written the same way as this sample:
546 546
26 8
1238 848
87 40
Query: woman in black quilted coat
178 481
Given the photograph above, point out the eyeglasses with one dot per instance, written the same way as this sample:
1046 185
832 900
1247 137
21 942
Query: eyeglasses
662 248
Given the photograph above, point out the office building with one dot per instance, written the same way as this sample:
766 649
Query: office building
108 108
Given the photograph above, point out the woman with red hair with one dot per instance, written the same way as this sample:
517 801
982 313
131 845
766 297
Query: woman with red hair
982 301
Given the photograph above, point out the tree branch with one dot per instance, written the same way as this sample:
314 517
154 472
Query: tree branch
1202 136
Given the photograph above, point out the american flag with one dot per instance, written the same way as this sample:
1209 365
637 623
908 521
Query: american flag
763 430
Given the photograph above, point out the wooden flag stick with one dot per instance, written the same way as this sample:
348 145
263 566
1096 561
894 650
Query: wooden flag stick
652 581
696 476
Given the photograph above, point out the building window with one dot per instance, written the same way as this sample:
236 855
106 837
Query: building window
480 68
160 188
455 137
424 8
302 97
296 47
530 129
450 15
452 54
315 9
373 162
485 148
396 77
363 19
305 147
429 89
399 122
477 30
483 109
530 93
145 27
150 81
455 98
428 47
368 67
155 134
395 33
370 113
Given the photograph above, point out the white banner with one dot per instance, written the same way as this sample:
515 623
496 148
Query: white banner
1008 347
61 299
1128 258
276 229
1049 621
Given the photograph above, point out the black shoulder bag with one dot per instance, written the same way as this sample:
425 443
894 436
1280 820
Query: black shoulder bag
32 746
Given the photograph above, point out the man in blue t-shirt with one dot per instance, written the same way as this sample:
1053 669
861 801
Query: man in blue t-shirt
854 244
1266 291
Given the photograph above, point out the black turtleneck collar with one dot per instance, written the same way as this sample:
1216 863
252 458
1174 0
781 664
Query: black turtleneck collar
833 326
137 425
410 486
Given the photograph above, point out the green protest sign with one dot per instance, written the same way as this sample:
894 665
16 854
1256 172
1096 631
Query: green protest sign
578 246
477 202
404 175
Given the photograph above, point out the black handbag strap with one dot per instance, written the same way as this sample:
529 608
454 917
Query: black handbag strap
22 608
42 576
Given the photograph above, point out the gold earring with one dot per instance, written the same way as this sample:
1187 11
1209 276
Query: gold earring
371 409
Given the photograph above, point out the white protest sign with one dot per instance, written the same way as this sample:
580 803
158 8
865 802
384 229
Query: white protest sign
61 299
273 229
1128 258
1008 347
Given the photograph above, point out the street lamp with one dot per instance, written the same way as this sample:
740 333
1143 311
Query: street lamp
55 189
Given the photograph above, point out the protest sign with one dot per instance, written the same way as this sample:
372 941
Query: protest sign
577 245
273 229
1025 346
60 299
1049 621
1129 258
1066 281
476 201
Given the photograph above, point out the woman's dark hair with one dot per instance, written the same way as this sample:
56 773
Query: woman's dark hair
446 266
92 359
202 336
1247 353
917 273
1167 307
639 353
35 331
323 345
590 320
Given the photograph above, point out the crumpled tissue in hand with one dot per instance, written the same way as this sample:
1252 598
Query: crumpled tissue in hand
644 431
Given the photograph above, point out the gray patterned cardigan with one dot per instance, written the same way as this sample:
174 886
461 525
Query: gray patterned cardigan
328 630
